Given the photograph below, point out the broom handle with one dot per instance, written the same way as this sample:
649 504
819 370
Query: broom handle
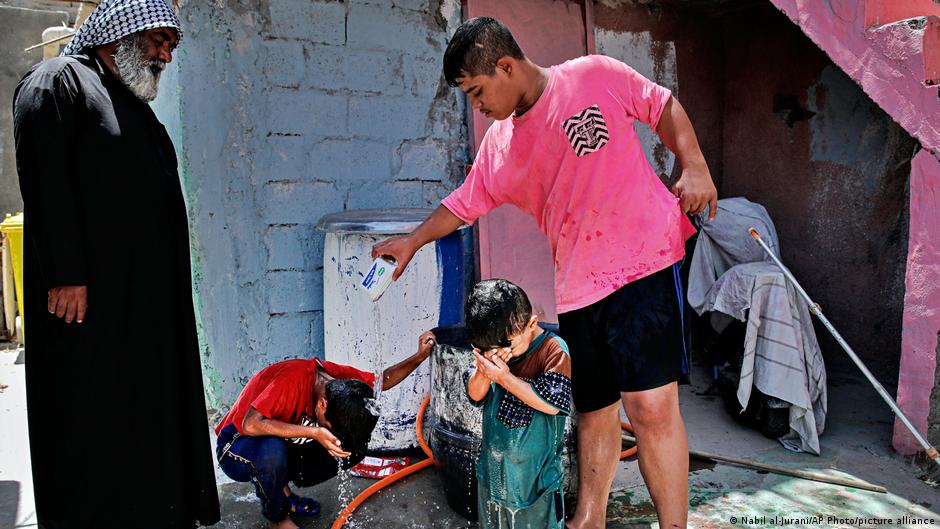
815 309
783 471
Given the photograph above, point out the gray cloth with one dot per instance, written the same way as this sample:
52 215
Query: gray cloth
781 355
732 275
724 242
113 20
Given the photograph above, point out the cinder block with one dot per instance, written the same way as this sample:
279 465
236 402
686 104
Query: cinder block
421 160
423 75
412 5
326 66
387 117
289 336
283 62
351 159
375 71
290 291
285 245
316 335
283 158
434 192
307 112
311 20
313 241
406 194
416 5
339 67
387 195
379 27
298 202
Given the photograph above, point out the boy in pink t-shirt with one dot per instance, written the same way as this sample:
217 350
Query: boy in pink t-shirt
564 150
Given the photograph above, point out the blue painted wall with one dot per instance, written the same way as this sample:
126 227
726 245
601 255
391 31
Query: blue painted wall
283 111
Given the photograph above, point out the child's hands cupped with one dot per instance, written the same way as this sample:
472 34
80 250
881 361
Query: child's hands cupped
426 343
330 442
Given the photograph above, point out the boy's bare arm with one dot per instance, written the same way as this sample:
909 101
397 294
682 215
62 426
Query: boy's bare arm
257 425
478 386
393 375
497 370
403 247
694 188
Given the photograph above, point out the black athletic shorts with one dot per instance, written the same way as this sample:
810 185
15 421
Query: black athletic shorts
632 340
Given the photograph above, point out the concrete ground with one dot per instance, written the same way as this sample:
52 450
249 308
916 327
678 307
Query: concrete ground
856 442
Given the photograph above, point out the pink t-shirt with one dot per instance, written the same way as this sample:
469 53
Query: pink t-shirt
574 162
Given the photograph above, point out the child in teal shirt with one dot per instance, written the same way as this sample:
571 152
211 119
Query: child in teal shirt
523 381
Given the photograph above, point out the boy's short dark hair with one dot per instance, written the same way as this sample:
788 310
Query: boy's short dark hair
496 310
476 46
350 419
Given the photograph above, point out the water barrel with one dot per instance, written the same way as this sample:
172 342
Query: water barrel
456 426
374 335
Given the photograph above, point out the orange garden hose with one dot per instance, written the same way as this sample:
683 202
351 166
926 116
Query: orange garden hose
419 427
629 451
421 465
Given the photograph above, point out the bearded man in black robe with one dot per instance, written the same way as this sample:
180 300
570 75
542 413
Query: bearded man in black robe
117 419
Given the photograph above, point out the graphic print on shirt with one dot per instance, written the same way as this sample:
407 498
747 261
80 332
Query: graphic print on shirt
304 421
587 130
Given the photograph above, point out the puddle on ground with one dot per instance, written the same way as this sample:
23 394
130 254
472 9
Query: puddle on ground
621 508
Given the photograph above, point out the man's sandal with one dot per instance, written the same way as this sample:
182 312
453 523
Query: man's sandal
304 506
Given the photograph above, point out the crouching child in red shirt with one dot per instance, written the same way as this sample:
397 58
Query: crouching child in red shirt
292 421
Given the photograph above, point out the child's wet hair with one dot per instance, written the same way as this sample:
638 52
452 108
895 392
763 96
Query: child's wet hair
349 417
496 310
476 46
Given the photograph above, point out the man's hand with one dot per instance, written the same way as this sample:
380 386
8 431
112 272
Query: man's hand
696 190
493 367
425 344
329 441
70 303
403 247
400 248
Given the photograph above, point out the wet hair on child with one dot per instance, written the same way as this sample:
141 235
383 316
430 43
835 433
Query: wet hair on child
496 310
349 417
476 46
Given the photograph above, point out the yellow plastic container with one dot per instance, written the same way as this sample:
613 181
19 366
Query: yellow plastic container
12 229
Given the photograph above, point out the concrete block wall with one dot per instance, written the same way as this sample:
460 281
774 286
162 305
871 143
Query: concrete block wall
283 111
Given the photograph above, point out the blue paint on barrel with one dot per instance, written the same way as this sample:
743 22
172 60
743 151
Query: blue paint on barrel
455 259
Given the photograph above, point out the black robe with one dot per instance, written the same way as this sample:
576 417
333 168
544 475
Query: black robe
117 418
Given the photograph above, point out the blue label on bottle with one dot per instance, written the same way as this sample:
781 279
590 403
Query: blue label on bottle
370 277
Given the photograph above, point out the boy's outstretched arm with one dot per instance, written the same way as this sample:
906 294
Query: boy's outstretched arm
497 370
400 371
256 424
694 188
403 247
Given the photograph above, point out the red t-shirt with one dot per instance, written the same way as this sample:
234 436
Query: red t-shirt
284 391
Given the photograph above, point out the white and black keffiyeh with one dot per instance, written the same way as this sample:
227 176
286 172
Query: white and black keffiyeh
113 20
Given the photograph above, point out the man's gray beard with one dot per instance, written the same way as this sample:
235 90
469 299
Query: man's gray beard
140 75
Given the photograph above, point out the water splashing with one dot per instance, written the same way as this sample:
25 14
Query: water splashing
377 366
373 406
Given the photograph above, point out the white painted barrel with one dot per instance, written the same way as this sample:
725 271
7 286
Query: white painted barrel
374 335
